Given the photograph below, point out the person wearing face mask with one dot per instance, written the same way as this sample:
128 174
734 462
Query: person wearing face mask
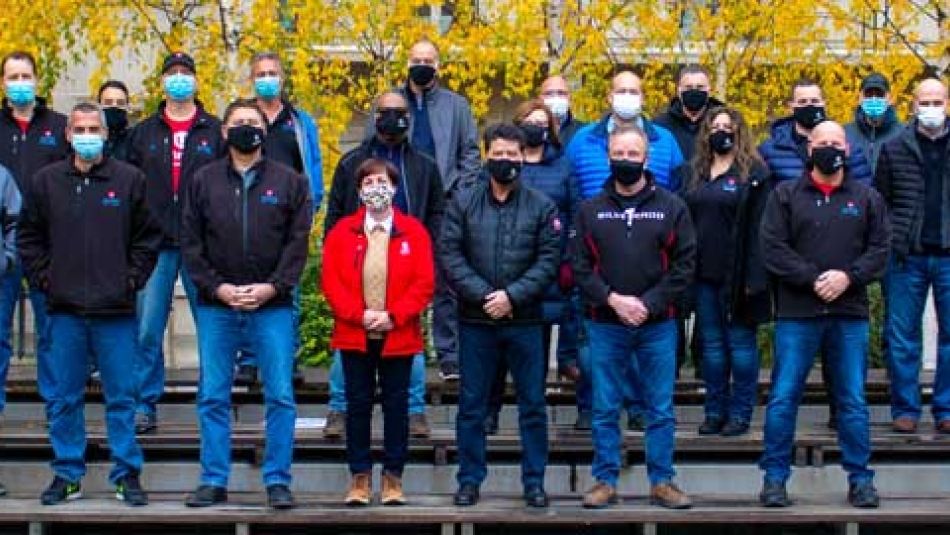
825 237
245 269
913 175
726 186
875 120
631 311
500 246
113 96
88 241
685 114
557 97
418 194
168 146
377 311
33 136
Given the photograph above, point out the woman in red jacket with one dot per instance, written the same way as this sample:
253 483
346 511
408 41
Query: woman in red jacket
378 278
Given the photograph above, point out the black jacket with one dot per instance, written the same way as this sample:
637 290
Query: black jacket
87 240
647 251
514 246
44 142
150 149
117 146
804 233
239 237
900 179
419 178
683 129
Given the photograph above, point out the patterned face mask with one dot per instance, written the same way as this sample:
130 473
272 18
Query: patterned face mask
377 197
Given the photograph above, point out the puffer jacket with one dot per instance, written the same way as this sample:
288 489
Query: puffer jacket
786 158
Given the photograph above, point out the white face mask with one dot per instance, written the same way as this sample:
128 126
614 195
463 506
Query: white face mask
627 106
559 106
931 116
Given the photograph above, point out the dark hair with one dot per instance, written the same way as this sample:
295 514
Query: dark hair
691 68
20 55
528 107
376 165
115 84
747 157
506 131
241 104
801 82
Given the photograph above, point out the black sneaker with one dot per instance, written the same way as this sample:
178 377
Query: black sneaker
449 370
863 496
61 491
636 422
774 495
711 426
129 490
466 496
206 496
246 375
535 496
735 428
145 423
279 497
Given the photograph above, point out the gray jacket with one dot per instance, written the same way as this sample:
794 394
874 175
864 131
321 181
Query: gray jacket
10 203
454 132
870 139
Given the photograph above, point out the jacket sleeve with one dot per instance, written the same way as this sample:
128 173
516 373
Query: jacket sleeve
146 237
11 214
859 166
468 157
200 270
313 159
776 236
535 281
870 266
293 257
680 249
133 151
33 238
756 276
584 258
435 209
882 175
336 202
419 294
346 303
676 162
470 286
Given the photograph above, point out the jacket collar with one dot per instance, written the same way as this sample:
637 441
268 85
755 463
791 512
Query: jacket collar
98 170
806 181
429 94
259 167
888 122
40 108
202 117
675 110
641 197
358 220
605 124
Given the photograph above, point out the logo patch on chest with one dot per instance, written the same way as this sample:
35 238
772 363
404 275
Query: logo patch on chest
850 209
111 200
270 197
204 147
729 185
47 139
404 248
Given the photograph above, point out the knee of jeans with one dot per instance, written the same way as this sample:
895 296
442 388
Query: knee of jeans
214 397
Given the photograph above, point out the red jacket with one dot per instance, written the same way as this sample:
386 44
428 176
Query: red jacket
410 282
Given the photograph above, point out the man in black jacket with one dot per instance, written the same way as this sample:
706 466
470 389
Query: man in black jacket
913 174
169 146
245 231
631 310
687 110
500 247
88 242
557 96
824 238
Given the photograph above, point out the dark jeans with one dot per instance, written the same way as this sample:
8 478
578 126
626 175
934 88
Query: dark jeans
445 319
482 347
362 372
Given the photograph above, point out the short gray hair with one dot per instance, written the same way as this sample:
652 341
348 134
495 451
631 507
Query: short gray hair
86 107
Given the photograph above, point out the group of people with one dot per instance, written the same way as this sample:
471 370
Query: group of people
613 232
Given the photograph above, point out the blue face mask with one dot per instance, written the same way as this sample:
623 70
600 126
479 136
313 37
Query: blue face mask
179 86
267 87
21 92
874 107
88 146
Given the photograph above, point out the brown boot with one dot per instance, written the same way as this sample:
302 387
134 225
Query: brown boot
905 425
361 489
600 496
670 496
392 490
418 426
336 425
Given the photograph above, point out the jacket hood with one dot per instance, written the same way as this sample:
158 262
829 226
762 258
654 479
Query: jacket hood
642 196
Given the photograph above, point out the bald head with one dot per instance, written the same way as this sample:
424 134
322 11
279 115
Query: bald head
392 99
425 52
625 81
930 89
828 134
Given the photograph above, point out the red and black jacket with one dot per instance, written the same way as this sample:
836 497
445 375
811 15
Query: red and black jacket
44 142
647 250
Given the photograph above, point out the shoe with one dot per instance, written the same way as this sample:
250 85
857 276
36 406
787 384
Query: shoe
336 424
943 427
449 370
669 496
491 423
904 425
60 491
361 489
584 421
391 493
129 490
600 496
145 423
774 495
206 496
711 426
637 422
535 497
418 426
570 372
466 496
735 428
246 375
279 497
863 496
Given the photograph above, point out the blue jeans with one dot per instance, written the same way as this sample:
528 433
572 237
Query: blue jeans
614 349
417 385
112 341
632 396
728 348
11 285
246 356
906 285
154 304
845 344
269 331
481 348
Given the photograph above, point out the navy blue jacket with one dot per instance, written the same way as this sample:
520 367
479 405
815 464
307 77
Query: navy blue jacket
786 159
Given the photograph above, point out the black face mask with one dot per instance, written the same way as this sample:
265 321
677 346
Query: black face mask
535 135
694 99
117 119
421 75
626 172
809 116
828 160
392 123
245 138
504 171
722 142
